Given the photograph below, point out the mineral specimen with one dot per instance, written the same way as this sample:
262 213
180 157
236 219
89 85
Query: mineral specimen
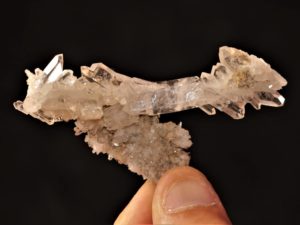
120 115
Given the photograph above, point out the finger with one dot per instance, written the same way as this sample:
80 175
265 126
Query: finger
139 209
184 196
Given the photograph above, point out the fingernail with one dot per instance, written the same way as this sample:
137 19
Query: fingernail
187 194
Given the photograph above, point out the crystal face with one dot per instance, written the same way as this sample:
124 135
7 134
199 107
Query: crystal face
120 114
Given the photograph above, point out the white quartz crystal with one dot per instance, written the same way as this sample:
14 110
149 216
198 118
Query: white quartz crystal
120 114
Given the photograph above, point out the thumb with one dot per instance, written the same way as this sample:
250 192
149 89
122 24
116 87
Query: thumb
184 196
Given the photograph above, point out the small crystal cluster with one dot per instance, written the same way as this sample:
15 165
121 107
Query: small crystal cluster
120 114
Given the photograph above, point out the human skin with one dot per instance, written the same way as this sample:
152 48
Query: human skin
182 196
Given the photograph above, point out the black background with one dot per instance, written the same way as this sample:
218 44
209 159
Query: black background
49 176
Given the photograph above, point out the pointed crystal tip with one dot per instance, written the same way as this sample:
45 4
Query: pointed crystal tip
54 69
271 99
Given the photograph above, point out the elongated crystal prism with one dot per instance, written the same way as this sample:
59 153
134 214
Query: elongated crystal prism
119 114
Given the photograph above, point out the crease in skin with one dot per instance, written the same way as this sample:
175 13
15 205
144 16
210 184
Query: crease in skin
190 207
119 114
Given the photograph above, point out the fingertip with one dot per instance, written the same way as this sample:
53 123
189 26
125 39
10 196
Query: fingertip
139 209
185 196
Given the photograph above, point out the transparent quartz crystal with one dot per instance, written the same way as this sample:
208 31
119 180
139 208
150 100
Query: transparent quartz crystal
120 114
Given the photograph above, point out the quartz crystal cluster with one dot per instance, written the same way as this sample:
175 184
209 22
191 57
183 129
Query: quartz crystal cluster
120 114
